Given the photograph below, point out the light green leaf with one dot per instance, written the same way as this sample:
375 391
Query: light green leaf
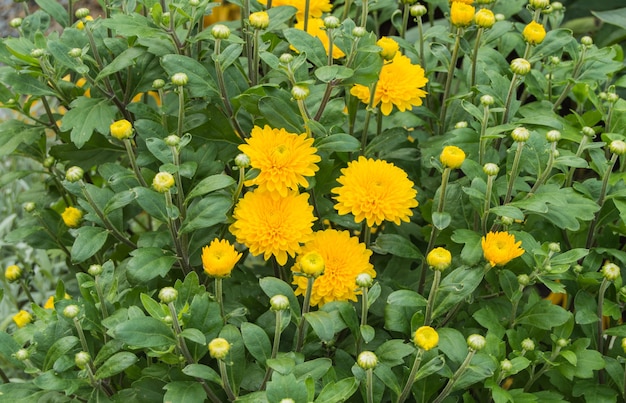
58 349
543 315
455 287
203 372
85 116
207 212
144 332
340 142
88 242
123 60
338 392
184 392
211 184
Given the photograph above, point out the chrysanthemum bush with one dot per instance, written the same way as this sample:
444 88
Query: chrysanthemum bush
357 201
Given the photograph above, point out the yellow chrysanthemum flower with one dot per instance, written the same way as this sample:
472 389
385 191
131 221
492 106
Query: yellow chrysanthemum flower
71 216
499 248
534 33
272 225
283 159
375 190
400 83
426 338
461 14
121 129
452 157
219 258
344 259
316 28
316 7
22 318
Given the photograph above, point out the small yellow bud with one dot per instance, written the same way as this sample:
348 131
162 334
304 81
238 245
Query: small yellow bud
439 259
12 273
22 318
312 264
426 338
163 181
389 47
219 348
452 156
121 129
461 14
485 18
534 33
72 216
259 20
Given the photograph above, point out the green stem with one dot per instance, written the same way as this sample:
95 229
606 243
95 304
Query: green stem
411 379
305 116
364 12
448 388
405 20
103 307
226 382
27 291
605 182
514 172
370 385
544 175
368 115
81 335
222 87
325 98
487 205
603 287
277 333
581 147
255 57
446 91
509 98
133 162
305 309
171 224
346 9
242 179
479 34
432 297
219 297
483 141
574 76
181 110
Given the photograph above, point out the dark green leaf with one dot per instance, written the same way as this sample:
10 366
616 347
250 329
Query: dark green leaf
148 263
116 364
334 72
153 202
58 349
200 82
88 242
144 332
304 42
203 372
256 341
340 142
396 245
322 324
338 392
123 60
543 315
184 392
85 116
455 287
207 212
211 184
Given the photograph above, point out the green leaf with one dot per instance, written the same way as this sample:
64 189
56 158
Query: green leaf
340 142
570 256
203 372
207 212
123 60
88 242
132 25
455 287
314 369
256 341
58 349
24 83
322 325
367 333
289 116
56 11
211 184
543 315
335 72
507 211
194 335
273 286
396 245
452 344
614 17
305 42
144 332
441 220
200 83
432 366
384 373
338 392
119 200
392 352
148 263
229 55
116 364
85 116
184 392
152 202
14 132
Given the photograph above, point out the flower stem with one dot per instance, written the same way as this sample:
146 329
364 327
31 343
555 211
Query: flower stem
255 58
81 335
509 98
181 110
479 34
483 141
364 12
514 172
277 333
219 297
571 82
173 227
226 382
603 287
133 162
544 175
369 387
448 388
305 116
581 147
405 20
219 71
431 298
446 91
368 114
27 291
487 205
605 182
411 379
305 309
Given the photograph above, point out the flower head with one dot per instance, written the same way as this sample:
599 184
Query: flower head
22 318
12 273
273 226
71 216
452 157
316 28
316 7
375 190
121 129
500 248
367 360
461 14
219 348
219 258
311 263
344 259
426 338
283 159
163 181
439 259
534 33
389 47
259 20
485 18
400 84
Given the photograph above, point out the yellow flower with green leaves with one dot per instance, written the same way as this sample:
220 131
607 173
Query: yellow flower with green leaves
72 216
499 248
219 258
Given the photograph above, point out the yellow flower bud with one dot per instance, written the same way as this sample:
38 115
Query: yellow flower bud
426 338
439 259
71 216
121 129
259 20
12 273
22 318
452 157
461 14
163 181
485 18
219 348
534 33
389 47
312 264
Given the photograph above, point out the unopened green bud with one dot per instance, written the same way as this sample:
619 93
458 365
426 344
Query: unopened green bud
158 84
74 174
586 41
500 17
520 66
82 359
554 247
528 344
588 131
180 79
75 52
22 354
367 360
15 23
165 18
259 20
557 6
461 124
279 302
286 58
418 10
95 270
612 97
82 12
611 271
555 60
168 294
408 2
29 207
194 3
618 147
71 311
37 53
364 280
506 365
332 22
520 134
553 136
487 100
220 31
300 92
359 32
242 160
562 342
624 345
172 140
523 280
577 269
491 169
507 220
539 4
476 342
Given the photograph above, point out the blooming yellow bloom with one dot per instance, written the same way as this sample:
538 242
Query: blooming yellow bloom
375 190
71 216
389 47
283 159
272 225
534 33
219 258
439 259
22 318
316 28
12 273
344 259
400 83
461 14
452 157
500 248
426 338
316 7
121 129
